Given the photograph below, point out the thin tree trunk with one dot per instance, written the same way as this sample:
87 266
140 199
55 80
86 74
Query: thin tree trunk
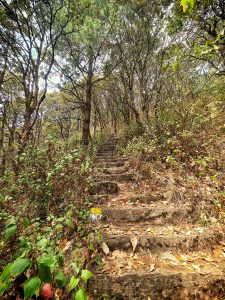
87 105
2 150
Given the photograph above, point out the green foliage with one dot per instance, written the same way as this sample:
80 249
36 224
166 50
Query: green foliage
141 144
19 266
73 283
5 282
61 279
85 275
10 231
80 295
31 287
37 240
181 138
40 254
187 5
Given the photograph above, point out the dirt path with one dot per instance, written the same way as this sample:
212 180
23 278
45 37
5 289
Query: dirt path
157 249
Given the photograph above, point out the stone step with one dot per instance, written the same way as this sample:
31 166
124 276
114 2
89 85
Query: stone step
110 144
154 215
106 156
115 170
114 177
106 187
158 285
106 153
105 164
99 199
111 160
131 199
165 242
111 140
106 148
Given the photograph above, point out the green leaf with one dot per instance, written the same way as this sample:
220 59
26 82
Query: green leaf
19 266
6 273
4 286
85 274
59 228
47 260
69 223
183 3
26 245
5 282
60 260
41 245
10 221
60 279
192 3
31 287
46 264
26 222
187 5
81 294
10 231
45 273
73 283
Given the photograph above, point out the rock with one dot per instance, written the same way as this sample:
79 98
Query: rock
106 187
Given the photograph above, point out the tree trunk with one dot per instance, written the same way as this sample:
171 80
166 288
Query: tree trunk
87 105
134 109
26 131
2 150
156 113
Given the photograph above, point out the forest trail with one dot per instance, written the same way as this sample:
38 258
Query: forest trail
153 247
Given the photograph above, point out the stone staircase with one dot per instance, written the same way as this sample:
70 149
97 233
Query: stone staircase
153 249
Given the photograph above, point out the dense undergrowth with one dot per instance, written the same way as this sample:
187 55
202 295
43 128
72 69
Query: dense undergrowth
47 243
183 156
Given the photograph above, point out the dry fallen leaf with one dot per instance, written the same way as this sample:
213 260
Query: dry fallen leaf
118 254
183 257
105 248
209 259
152 267
188 232
168 256
197 268
134 242
214 269
130 265
63 243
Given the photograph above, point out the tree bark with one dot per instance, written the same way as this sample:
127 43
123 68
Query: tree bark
2 137
88 101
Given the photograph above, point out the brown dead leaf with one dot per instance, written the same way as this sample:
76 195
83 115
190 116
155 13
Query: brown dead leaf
188 232
168 256
63 243
105 248
197 268
209 259
134 242
218 252
118 254
152 267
